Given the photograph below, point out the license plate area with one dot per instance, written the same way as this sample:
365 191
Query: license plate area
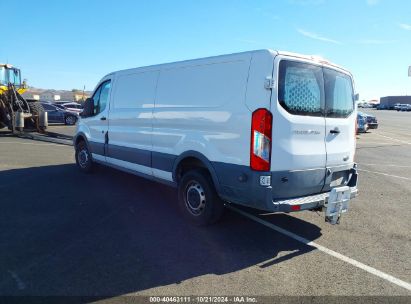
338 203
340 178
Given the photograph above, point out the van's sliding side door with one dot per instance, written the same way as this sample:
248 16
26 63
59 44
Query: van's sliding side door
130 124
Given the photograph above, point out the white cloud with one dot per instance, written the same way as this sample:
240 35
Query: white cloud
317 36
405 26
372 2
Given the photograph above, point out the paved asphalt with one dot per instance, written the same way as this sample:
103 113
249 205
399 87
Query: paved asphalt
110 233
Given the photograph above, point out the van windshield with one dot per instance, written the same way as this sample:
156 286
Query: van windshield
310 90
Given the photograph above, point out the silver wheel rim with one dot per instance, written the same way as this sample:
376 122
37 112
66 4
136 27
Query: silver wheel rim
83 158
195 199
70 120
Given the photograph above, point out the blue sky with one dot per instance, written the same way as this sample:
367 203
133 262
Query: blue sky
71 43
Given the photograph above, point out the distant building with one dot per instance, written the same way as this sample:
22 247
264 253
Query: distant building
50 95
56 95
390 101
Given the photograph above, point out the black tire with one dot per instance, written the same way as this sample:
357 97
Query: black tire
83 157
37 109
70 120
198 199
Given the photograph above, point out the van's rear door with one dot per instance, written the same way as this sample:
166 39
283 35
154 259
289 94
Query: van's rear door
340 118
298 158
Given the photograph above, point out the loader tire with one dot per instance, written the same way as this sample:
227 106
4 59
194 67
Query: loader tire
36 108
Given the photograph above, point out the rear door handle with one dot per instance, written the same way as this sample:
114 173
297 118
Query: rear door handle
103 118
335 131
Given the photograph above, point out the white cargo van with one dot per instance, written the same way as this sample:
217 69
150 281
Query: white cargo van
265 129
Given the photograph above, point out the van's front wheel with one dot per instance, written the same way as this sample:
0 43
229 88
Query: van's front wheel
83 157
198 198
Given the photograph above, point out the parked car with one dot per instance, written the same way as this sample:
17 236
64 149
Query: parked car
371 120
56 114
73 107
58 106
396 106
215 144
362 125
365 105
383 107
404 107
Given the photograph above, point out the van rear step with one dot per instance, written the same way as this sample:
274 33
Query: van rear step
308 202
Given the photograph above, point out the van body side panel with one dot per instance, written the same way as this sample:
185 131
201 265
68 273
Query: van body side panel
261 70
130 120
201 107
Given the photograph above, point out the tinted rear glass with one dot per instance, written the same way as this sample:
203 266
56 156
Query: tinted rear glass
338 94
301 88
307 89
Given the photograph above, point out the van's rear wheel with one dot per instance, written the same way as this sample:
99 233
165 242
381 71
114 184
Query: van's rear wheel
83 157
198 199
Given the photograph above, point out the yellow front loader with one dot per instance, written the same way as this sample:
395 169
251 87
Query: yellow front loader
15 112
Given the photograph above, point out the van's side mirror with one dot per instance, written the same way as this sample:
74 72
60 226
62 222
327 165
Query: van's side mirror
356 97
88 108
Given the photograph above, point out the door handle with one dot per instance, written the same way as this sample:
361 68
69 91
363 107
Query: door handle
335 131
103 118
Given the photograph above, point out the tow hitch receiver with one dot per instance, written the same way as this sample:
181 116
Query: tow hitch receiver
337 204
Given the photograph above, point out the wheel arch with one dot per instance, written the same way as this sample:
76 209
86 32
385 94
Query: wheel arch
80 137
190 160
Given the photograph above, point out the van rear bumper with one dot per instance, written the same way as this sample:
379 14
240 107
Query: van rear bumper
314 201
306 202
307 189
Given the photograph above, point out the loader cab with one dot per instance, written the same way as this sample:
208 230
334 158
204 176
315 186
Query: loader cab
10 75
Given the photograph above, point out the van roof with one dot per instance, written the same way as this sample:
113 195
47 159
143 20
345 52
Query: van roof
314 58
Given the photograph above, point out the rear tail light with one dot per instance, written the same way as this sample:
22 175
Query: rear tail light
261 129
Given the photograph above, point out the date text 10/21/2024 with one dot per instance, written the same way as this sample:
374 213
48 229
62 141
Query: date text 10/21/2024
203 299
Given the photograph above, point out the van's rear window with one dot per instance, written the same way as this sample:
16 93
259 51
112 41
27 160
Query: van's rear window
301 88
307 89
339 94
